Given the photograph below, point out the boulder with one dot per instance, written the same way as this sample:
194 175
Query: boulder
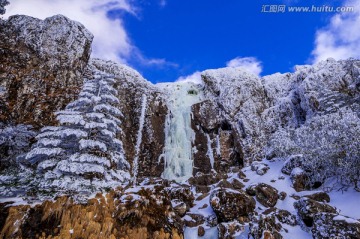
266 228
229 205
266 195
299 180
328 225
259 167
319 197
308 208
286 217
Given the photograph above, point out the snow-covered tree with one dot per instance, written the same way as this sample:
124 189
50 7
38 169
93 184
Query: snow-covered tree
14 140
85 150
330 145
3 3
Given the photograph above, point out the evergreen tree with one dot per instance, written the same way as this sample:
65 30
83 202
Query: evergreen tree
85 150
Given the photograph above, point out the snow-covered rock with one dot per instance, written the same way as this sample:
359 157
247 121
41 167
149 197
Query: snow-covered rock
43 62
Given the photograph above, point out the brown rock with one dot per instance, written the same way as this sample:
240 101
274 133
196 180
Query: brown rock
206 113
230 205
266 227
300 181
320 197
201 231
41 67
228 230
286 217
282 196
327 225
194 221
266 195
147 216
308 208
236 184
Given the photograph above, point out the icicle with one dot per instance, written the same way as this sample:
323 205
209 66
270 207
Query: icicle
218 150
139 136
210 151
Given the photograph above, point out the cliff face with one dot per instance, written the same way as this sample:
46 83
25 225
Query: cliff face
41 67
223 158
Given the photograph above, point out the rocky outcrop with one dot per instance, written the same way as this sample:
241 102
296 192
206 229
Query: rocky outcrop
229 205
41 67
327 225
146 213
308 208
241 99
266 227
215 141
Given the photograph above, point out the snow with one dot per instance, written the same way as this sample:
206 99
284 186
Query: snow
79 168
92 144
44 142
70 119
109 98
95 116
47 164
95 125
89 158
296 171
62 133
50 152
346 219
103 108
346 202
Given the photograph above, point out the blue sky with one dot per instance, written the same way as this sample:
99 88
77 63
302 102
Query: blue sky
202 34
165 40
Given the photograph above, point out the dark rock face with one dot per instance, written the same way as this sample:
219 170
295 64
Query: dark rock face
229 205
327 225
41 67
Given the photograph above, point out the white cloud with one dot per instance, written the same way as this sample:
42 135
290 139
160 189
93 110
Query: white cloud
111 41
195 77
340 39
250 64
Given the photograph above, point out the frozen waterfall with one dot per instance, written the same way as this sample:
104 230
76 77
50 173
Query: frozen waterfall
179 135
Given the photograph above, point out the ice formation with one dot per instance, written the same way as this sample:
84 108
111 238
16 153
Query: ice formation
178 132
